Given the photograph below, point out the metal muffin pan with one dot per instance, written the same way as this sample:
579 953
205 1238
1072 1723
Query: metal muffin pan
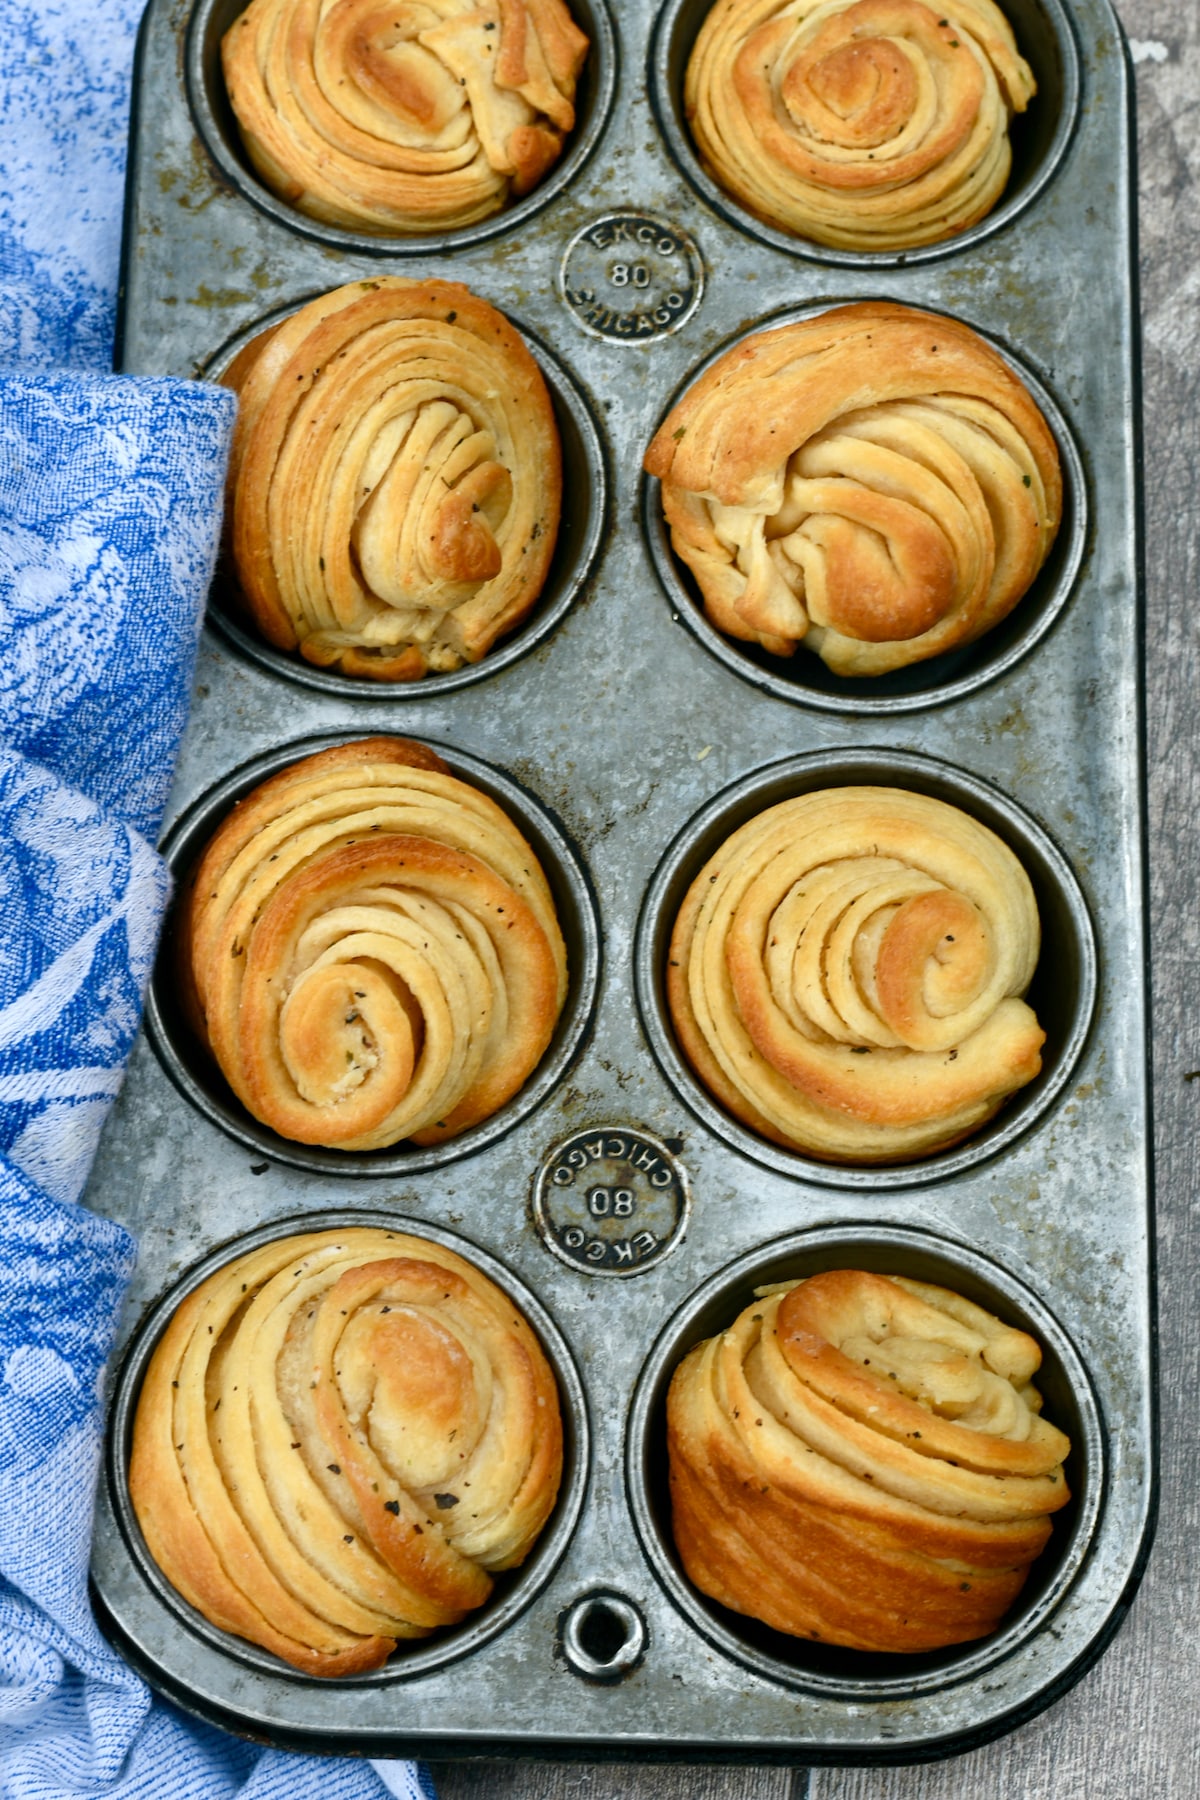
624 727
803 677
580 536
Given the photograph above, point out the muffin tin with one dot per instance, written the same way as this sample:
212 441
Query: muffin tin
624 736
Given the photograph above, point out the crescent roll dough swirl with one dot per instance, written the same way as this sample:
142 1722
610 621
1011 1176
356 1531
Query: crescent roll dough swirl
395 480
371 951
875 482
844 974
860 1459
399 118
863 124
338 1436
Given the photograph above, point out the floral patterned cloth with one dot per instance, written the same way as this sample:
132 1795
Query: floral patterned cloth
110 496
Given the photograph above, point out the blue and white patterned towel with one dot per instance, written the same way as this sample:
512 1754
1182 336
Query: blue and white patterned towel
110 495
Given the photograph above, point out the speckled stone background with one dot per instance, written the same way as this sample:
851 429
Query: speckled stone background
1131 1729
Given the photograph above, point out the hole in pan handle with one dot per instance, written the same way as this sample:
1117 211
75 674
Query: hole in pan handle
603 1636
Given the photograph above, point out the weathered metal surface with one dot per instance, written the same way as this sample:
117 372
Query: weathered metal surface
625 726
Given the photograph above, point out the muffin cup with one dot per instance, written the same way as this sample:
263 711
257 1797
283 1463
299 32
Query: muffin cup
861 1675
192 1068
214 120
1062 992
581 533
803 678
1039 137
514 1589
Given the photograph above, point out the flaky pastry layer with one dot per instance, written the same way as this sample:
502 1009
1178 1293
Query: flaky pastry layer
416 117
875 483
860 1459
845 974
338 1436
863 124
370 949
395 481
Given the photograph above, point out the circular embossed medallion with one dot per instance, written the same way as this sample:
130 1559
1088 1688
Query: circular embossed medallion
630 277
611 1200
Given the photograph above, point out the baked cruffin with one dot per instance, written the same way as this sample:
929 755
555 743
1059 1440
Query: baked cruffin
370 950
395 480
845 972
860 1459
338 1439
395 119
868 125
874 482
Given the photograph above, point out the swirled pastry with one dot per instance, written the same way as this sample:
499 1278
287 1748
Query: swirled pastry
860 1459
874 482
415 117
339 1435
395 480
862 124
845 974
370 950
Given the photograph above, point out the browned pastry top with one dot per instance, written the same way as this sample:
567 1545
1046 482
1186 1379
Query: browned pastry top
395 481
875 482
864 124
845 974
860 1459
339 1435
370 949
403 118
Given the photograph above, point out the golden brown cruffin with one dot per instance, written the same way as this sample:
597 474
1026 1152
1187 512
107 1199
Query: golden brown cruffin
844 974
859 1459
339 1435
395 119
370 949
861 124
395 481
874 482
